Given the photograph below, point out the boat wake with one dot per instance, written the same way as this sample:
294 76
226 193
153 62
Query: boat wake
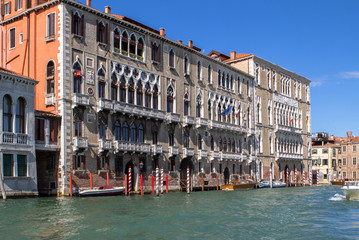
337 197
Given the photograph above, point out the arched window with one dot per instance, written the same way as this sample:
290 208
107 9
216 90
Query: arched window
123 89
233 146
114 87
171 60
171 137
199 70
117 131
220 144
225 145
125 132
186 65
133 46
198 106
170 99
199 141
131 91
219 78
20 115
139 96
219 112
102 127
101 82
102 32
50 77
186 139
212 143
7 114
209 110
154 134
186 104
140 49
133 132
209 74
227 81
231 82
77 75
155 97
124 44
141 134
116 40
148 95
77 123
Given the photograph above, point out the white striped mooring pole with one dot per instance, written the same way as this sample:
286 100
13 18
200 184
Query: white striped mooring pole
303 178
318 177
157 181
129 180
188 179
287 177
161 180
310 178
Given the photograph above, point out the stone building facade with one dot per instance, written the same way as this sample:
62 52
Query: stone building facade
17 145
348 156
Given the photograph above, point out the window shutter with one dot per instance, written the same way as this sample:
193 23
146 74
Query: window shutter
9 7
82 25
12 43
106 34
73 162
158 53
16 4
52 24
72 22
2 9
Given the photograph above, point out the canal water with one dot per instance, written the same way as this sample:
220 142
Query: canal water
289 213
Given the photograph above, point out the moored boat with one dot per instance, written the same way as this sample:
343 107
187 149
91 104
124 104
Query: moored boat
275 184
240 184
338 182
351 189
102 191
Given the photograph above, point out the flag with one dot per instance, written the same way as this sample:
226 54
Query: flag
236 114
244 116
227 111
290 121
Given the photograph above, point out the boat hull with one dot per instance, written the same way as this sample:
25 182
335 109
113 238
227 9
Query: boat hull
237 185
337 183
351 193
275 184
101 192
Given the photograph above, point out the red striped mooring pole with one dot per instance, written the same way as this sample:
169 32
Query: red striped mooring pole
188 179
287 177
303 178
157 181
161 180
310 178
166 183
129 180
317 177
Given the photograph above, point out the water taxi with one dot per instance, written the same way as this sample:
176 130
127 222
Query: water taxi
275 184
351 189
102 191
338 182
240 184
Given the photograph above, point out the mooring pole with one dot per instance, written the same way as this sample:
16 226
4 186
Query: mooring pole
3 193
70 180
91 184
153 191
166 183
108 178
141 185
125 184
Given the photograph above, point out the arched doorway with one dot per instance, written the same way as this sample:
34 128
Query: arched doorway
133 176
226 175
285 173
186 162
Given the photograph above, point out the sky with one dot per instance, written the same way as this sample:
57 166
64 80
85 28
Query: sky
316 39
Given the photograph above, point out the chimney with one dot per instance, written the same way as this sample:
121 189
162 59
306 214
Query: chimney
349 135
190 44
233 55
108 9
162 32
179 41
88 3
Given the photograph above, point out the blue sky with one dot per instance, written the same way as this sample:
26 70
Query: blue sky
317 39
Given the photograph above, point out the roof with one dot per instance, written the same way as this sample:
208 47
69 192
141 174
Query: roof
239 56
7 71
134 22
48 114
346 140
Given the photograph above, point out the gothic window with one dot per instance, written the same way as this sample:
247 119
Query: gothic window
7 114
140 49
148 95
124 44
77 24
102 127
20 115
125 132
198 105
209 74
154 135
186 105
123 89
133 132
50 77
139 96
116 40
102 32
219 112
209 110
220 144
156 52
219 78
186 65
186 139
212 143
77 124
155 97
131 91
77 78
133 46
171 137
117 131
141 134
114 87
199 70
101 82
170 99
199 141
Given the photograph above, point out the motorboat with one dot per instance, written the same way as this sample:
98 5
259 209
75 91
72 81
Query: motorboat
338 182
275 184
240 184
351 189
105 190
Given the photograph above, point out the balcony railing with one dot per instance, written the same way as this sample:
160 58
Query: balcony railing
105 145
80 143
188 152
14 138
290 156
225 126
202 154
215 155
157 149
201 122
287 129
188 120
135 110
173 118
124 146
80 100
104 104
174 151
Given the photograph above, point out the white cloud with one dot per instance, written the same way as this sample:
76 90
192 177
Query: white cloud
349 75
316 84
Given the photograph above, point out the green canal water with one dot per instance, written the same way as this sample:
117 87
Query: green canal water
289 213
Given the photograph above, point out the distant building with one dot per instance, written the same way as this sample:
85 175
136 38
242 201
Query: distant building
17 145
349 156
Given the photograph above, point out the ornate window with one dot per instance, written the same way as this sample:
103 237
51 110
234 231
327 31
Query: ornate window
219 78
77 24
186 104
139 96
123 89
102 32
171 137
125 132
148 95
133 46
117 130
154 135
124 44
141 134
199 70
155 97
133 132
77 124
50 77
212 143
116 40
102 127
186 65
140 49
131 91
186 139
77 77
20 115
7 114
156 52
209 74
198 105
209 110
199 141
114 95
101 82
170 93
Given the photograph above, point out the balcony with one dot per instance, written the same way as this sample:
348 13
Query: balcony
188 152
225 126
157 149
288 156
140 111
252 158
173 118
49 99
201 122
202 154
104 145
80 143
104 104
14 138
251 132
215 155
80 100
188 121
123 146
287 129
174 151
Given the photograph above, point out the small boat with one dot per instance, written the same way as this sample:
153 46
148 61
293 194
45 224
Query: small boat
275 184
102 191
351 189
338 182
240 184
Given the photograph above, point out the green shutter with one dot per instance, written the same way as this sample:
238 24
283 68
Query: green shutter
21 165
8 165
